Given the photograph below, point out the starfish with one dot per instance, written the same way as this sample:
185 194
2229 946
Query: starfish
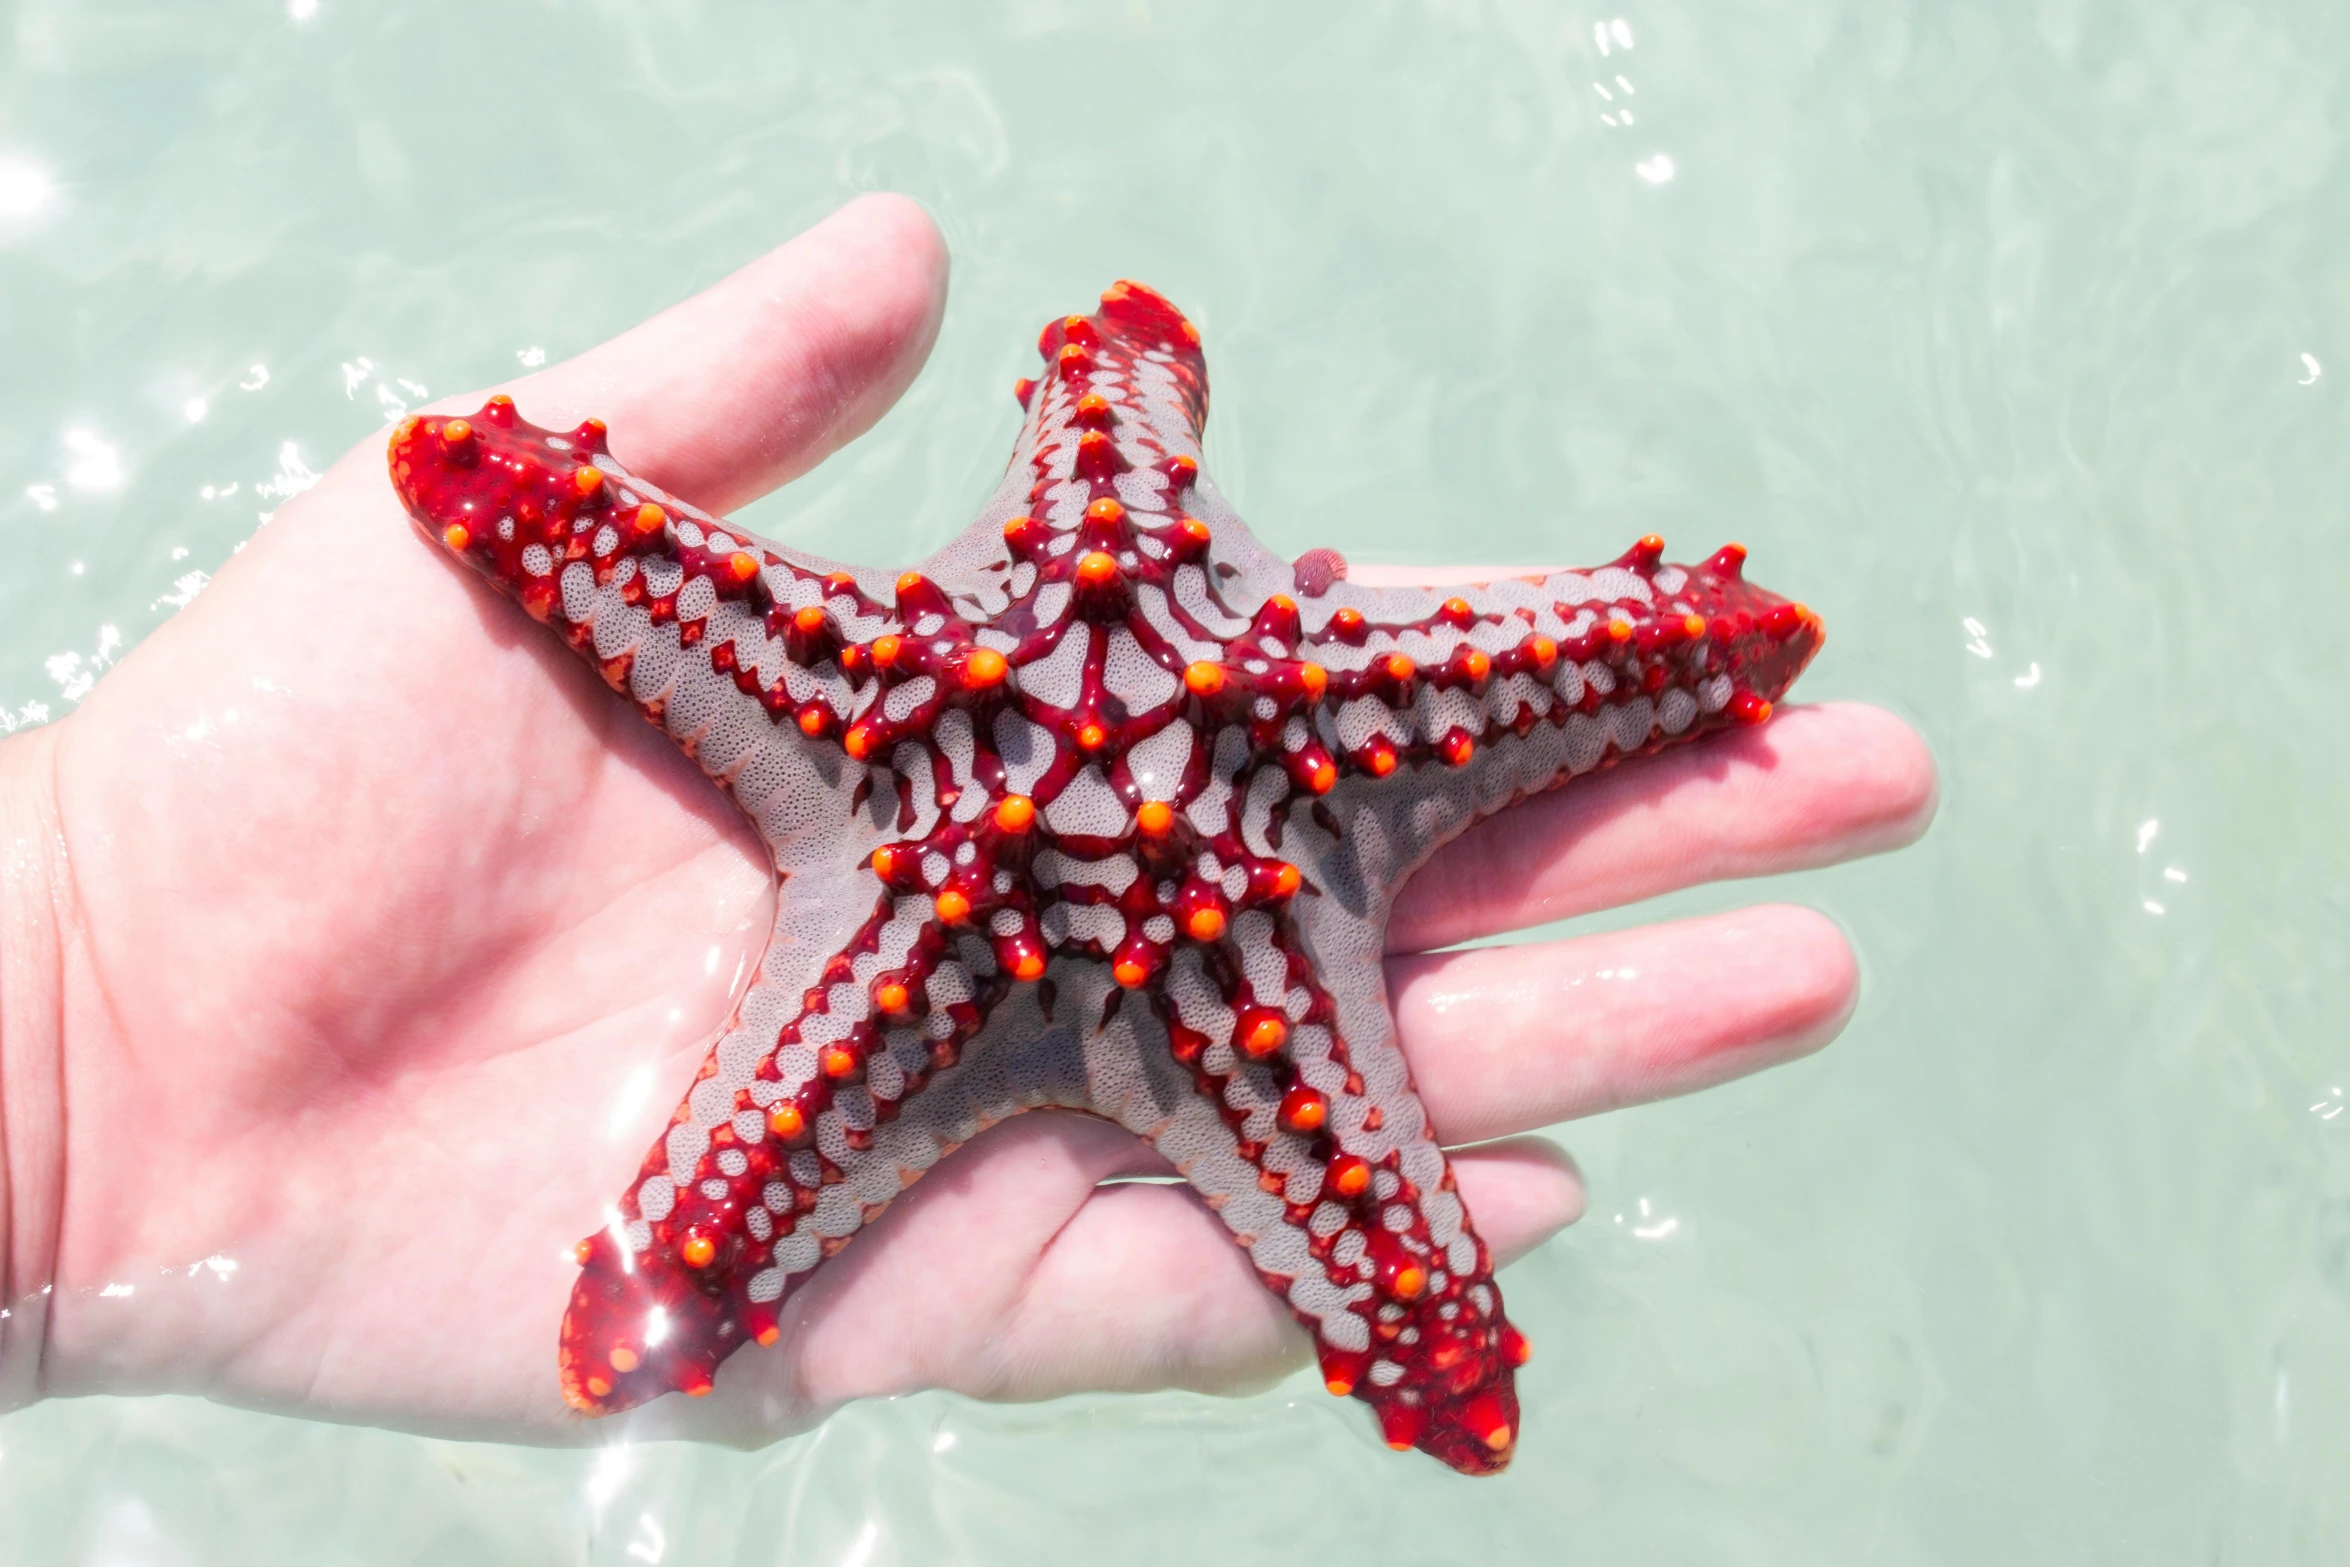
1101 808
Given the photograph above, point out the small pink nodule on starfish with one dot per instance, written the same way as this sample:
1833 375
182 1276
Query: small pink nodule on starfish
1113 801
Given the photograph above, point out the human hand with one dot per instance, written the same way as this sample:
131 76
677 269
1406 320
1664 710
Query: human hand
384 939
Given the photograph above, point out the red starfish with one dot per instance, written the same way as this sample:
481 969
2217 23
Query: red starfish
1103 743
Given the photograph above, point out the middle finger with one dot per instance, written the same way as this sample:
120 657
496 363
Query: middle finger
1508 1039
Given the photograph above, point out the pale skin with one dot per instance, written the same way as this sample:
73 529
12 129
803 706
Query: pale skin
353 934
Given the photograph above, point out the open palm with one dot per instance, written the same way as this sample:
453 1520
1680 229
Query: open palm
372 941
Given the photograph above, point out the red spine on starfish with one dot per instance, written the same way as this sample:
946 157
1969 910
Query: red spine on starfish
1112 803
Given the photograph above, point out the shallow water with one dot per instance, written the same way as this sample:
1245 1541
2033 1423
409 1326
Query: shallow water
2012 336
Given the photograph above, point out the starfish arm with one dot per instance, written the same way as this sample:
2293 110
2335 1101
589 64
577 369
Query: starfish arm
834 1088
872 1045
1117 415
652 591
1308 1139
1628 657
1107 465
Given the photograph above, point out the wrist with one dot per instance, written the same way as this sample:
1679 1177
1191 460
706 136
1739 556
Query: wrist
32 1128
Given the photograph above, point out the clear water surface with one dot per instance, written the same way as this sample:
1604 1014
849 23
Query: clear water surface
2014 335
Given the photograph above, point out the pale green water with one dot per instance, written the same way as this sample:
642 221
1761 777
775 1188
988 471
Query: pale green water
1984 327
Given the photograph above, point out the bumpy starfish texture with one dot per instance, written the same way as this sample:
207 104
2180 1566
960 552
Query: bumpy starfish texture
1103 807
